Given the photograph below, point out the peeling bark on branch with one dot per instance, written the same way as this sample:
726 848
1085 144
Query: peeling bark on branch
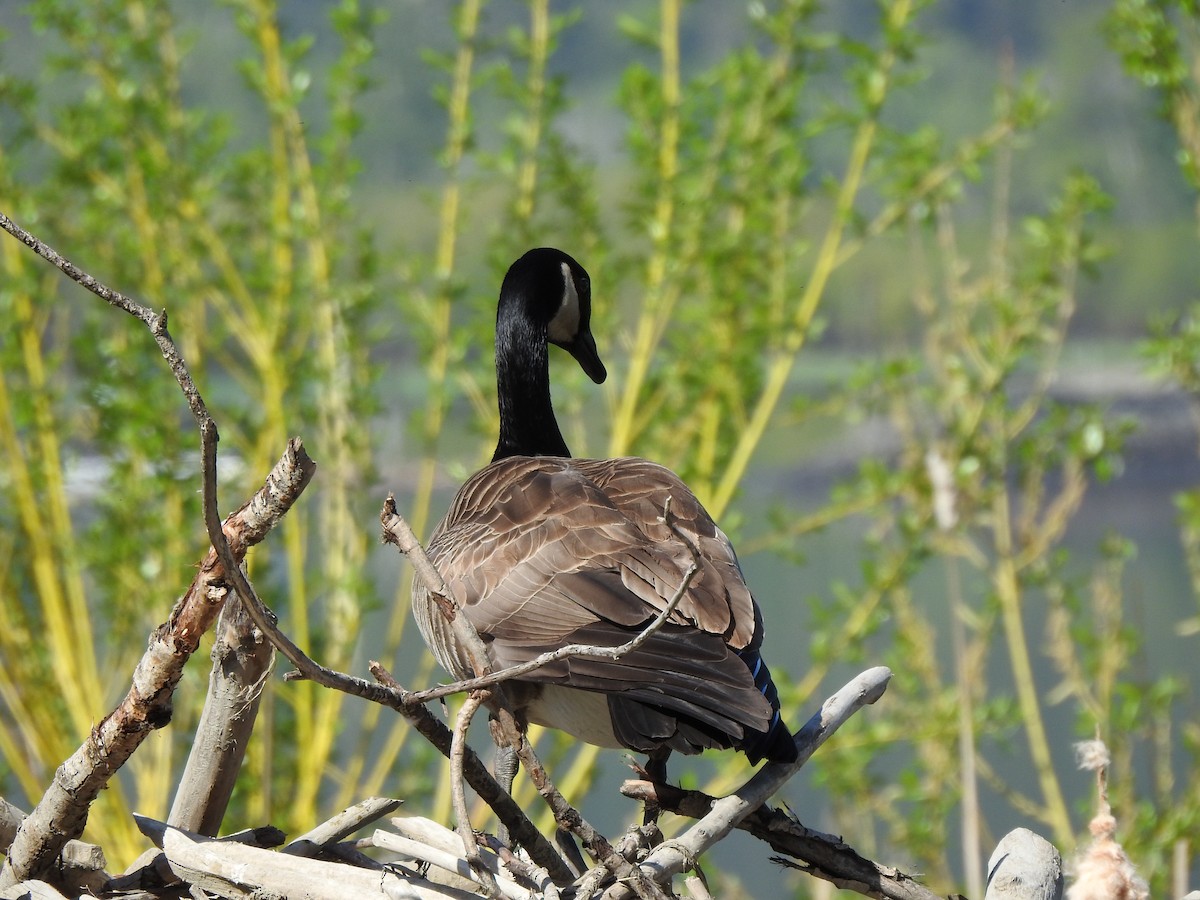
242 659
62 812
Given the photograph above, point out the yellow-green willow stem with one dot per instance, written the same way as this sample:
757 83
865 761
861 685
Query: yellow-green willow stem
535 88
780 368
658 300
1008 592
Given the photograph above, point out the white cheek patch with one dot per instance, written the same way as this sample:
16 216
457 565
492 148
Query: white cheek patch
564 327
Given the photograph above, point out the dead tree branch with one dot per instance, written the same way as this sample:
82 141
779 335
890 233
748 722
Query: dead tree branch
458 745
680 854
821 855
242 659
62 811
341 826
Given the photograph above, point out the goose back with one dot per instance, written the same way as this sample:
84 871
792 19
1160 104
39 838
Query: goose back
539 552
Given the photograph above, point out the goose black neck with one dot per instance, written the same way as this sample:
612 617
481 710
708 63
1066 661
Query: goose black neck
527 423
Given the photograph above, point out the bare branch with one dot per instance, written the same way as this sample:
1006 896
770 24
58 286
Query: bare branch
535 875
156 322
680 854
398 532
458 795
342 825
821 855
242 660
62 811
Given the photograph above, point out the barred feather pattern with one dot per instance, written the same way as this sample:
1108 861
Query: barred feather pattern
539 552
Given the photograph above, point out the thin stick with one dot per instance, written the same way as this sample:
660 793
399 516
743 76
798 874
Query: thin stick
341 826
458 795
570 818
156 322
477 775
520 868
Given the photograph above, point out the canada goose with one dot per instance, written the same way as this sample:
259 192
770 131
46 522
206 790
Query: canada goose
541 550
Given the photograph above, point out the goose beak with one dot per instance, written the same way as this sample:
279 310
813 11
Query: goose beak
583 348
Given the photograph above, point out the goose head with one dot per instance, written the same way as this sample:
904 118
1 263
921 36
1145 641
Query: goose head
546 298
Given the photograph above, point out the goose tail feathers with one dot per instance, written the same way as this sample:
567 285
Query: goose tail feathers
776 743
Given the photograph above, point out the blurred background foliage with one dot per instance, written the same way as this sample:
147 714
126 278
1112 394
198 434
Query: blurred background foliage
903 289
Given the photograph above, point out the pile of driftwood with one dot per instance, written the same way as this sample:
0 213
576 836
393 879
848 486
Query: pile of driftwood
409 857
415 857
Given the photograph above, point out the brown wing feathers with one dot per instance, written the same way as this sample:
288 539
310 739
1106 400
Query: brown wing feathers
542 552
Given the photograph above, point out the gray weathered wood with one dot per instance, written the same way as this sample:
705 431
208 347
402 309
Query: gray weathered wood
31 890
235 870
241 662
1024 866
262 836
80 864
452 861
342 825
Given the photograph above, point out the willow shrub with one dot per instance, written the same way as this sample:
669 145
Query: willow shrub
750 192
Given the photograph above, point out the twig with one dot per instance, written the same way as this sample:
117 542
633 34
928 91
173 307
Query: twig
458 795
156 322
398 532
485 786
679 854
570 819
528 871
